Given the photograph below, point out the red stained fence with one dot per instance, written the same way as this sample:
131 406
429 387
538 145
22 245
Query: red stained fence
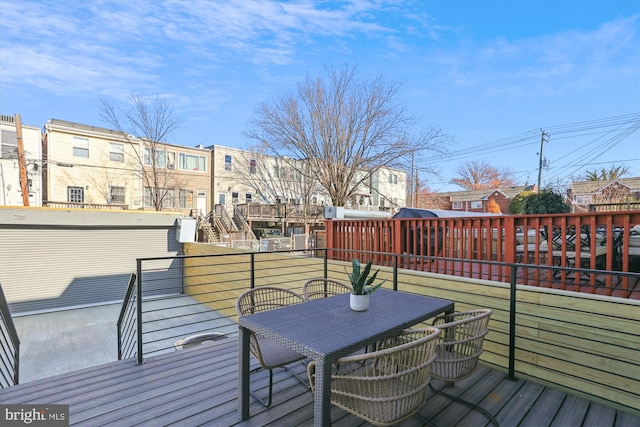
559 243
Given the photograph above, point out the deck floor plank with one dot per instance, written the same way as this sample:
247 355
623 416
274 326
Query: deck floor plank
199 387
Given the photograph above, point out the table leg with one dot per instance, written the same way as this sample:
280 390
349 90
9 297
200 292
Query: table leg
243 374
322 403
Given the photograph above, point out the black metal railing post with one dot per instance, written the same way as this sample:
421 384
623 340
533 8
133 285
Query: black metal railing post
252 283
395 272
512 322
139 311
326 264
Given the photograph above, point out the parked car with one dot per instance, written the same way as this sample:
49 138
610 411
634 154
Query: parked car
273 237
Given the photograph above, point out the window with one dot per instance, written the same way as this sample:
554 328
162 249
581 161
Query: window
75 194
169 200
9 144
148 196
276 171
161 158
116 195
476 204
182 199
80 147
234 198
147 157
393 179
582 200
253 166
185 199
191 162
247 198
227 163
456 205
171 160
116 154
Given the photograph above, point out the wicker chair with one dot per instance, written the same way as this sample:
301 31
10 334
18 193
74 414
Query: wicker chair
459 348
388 385
268 353
322 288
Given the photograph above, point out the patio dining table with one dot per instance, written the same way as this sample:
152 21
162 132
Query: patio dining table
327 329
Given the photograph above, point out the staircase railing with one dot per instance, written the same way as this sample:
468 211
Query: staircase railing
9 346
241 222
221 214
127 322
218 225
210 233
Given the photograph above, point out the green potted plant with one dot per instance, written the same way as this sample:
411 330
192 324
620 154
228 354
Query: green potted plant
362 285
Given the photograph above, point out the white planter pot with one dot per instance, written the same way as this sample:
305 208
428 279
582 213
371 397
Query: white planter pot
359 302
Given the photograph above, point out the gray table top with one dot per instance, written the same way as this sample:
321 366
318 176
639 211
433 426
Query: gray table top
328 328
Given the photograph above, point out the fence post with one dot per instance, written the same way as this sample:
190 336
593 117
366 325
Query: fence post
395 272
253 271
139 311
326 264
512 323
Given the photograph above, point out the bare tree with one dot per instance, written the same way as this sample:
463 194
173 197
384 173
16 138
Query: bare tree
475 175
152 121
342 125
278 180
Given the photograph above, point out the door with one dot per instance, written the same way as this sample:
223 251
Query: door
201 202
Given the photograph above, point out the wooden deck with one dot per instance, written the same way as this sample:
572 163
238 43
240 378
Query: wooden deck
199 387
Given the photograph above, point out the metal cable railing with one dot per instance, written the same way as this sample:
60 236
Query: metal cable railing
534 329
127 322
9 346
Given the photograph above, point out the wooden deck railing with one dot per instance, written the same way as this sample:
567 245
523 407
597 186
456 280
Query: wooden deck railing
72 205
595 241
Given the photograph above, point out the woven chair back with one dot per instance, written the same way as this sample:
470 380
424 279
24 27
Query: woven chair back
322 288
388 385
460 343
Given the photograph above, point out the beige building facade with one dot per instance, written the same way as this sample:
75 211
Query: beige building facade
244 177
90 166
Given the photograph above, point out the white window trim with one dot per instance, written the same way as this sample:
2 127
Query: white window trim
80 147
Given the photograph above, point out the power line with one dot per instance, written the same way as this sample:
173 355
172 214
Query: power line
609 132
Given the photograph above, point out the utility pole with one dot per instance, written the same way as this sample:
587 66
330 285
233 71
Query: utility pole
417 190
411 181
545 138
24 187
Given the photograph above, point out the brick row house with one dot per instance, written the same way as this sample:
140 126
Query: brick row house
611 195
476 201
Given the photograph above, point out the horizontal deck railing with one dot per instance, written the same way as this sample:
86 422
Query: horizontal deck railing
582 343
593 241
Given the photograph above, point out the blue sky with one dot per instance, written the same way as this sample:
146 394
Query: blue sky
490 73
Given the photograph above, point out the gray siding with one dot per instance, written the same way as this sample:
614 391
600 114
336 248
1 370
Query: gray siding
48 266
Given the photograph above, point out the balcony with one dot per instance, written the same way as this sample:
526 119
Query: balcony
552 357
